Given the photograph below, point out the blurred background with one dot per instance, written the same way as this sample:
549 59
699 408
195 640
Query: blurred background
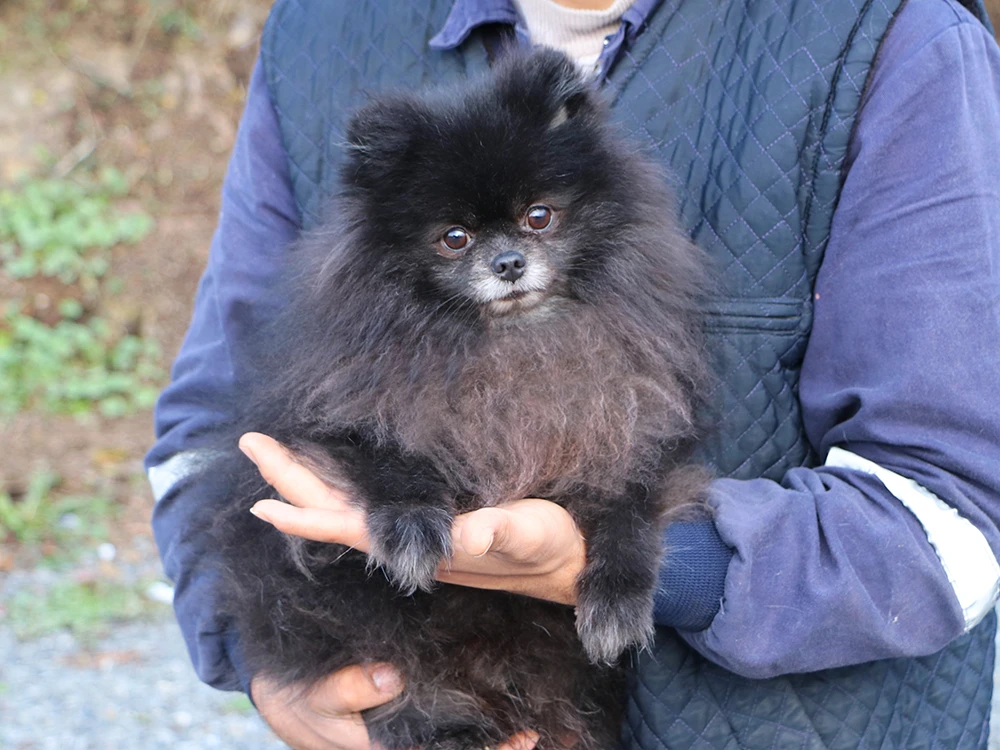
116 119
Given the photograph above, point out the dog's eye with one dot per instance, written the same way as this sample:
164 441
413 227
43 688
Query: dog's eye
454 241
538 217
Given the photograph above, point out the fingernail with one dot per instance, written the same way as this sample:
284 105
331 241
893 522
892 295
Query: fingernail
489 546
386 679
256 512
248 453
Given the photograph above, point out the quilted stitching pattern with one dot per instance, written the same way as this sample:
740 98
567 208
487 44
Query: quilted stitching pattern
752 112
938 701
380 45
758 169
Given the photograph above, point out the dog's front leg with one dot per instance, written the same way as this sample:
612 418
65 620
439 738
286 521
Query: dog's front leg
409 512
615 591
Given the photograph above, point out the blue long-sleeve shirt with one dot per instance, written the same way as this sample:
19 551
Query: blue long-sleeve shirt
888 550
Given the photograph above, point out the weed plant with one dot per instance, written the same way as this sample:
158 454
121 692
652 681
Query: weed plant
40 514
86 609
65 230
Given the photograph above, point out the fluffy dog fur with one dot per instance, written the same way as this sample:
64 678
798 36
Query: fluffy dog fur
429 381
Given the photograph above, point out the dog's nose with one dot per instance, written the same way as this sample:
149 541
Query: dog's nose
509 266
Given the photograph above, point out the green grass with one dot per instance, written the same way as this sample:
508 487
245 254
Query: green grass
178 18
33 516
73 366
40 514
65 229
238 704
80 361
85 609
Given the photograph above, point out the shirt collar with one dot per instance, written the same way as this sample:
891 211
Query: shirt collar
467 15
635 17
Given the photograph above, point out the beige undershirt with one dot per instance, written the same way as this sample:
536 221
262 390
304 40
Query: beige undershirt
578 33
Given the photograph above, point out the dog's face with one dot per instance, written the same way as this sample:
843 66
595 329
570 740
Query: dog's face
498 200
509 264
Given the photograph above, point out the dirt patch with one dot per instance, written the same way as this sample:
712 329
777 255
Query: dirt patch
155 89
993 8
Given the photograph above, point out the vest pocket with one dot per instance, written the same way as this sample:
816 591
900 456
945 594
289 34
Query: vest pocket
776 315
755 348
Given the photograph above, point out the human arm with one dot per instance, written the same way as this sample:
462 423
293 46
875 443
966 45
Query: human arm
257 220
830 567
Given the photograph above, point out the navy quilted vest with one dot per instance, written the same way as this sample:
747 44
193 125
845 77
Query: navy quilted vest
750 103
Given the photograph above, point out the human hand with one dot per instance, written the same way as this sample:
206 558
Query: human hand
327 717
531 547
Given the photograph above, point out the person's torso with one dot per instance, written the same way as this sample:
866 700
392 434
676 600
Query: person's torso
750 107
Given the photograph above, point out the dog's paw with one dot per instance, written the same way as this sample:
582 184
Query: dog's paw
608 625
410 545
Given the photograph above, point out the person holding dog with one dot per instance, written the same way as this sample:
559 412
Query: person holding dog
838 162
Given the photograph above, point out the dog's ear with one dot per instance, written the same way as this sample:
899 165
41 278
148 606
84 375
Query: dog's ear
571 108
379 138
547 82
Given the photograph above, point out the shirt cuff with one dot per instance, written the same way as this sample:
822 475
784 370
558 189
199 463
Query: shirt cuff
692 575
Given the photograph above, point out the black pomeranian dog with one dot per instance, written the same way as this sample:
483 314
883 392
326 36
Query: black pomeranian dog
500 306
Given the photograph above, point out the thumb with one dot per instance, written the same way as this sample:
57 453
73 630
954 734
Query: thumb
355 689
484 530
516 532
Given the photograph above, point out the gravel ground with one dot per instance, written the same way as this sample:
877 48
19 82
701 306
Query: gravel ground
133 689
136 689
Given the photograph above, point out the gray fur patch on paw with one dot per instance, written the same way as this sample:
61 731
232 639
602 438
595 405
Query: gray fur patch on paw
607 629
411 545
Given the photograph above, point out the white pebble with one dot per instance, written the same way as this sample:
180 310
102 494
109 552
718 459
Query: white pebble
183 719
158 591
106 552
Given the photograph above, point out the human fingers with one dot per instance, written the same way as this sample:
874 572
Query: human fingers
284 711
318 524
327 717
530 534
530 547
297 484
475 534
559 586
355 689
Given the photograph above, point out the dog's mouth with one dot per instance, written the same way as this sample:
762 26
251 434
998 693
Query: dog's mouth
517 294
517 301
499 297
